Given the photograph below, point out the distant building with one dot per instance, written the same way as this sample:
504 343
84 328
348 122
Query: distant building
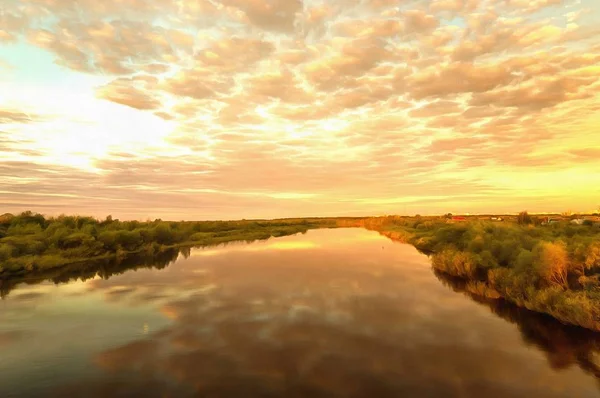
458 218
548 220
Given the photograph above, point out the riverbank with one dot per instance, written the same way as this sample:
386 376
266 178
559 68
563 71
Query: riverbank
552 269
31 243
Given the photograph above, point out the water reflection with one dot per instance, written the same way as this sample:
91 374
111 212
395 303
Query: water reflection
563 345
330 313
89 270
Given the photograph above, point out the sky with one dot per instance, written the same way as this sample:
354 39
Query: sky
230 109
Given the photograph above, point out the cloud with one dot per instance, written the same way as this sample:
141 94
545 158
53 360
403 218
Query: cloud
191 84
457 78
233 53
535 5
418 21
10 117
6 37
586 154
276 15
542 94
455 144
368 28
228 102
436 108
355 58
127 91
115 47
282 85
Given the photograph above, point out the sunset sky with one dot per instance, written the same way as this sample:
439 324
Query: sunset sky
228 109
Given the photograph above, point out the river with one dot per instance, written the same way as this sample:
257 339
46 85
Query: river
329 313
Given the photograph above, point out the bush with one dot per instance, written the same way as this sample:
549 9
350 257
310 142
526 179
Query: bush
551 263
108 239
163 234
487 260
6 251
455 263
524 262
129 240
592 256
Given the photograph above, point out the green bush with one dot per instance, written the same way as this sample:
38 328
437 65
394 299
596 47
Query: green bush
455 263
7 251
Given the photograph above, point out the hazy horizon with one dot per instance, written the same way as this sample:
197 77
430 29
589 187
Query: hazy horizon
232 109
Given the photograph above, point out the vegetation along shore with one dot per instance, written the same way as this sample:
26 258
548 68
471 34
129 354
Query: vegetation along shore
548 267
30 242
552 269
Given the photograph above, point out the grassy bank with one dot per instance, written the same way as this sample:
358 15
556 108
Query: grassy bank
552 269
31 243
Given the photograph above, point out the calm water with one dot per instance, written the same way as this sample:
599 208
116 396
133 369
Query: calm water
343 313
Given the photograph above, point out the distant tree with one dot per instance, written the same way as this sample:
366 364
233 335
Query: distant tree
6 218
163 233
524 218
448 215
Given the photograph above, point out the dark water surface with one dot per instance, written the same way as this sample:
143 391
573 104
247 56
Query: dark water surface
342 313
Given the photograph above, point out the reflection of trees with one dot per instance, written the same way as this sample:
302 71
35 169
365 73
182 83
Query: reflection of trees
563 345
103 268
115 266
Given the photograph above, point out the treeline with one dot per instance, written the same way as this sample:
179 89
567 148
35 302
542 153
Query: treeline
554 269
30 241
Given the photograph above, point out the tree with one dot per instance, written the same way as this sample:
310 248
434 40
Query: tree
551 263
163 233
524 218
592 256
